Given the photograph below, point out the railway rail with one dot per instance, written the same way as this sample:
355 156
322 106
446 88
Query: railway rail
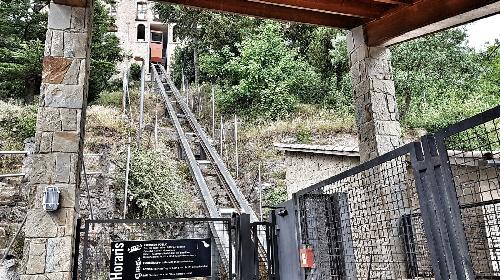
177 108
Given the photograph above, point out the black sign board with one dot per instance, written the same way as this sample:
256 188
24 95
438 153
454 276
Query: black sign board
160 259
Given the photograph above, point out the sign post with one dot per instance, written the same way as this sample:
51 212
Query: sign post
160 259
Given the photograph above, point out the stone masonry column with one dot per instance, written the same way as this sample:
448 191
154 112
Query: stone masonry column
49 236
374 96
379 132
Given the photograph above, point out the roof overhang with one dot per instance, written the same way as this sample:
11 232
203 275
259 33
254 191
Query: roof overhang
385 22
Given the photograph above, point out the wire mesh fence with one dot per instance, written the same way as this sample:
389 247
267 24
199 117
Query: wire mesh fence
473 150
365 223
96 246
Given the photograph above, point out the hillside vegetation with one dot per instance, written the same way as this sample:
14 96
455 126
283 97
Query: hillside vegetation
264 69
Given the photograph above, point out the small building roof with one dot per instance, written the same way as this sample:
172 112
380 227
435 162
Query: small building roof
337 150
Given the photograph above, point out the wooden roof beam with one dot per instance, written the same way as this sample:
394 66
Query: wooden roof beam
273 12
363 9
394 2
425 17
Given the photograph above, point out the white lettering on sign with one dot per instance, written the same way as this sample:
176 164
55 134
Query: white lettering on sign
117 273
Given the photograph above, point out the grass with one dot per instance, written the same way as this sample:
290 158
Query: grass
17 122
105 126
308 122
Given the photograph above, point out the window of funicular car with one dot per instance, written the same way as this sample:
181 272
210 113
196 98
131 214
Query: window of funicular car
156 37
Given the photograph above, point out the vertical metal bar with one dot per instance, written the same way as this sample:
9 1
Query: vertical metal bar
213 112
229 228
156 129
254 229
127 173
268 251
274 246
451 208
247 249
85 251
87 188
125 90
236 145
432 216
141 106
77 248
260 192
221 137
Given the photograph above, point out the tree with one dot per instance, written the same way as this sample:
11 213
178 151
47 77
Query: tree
267 78
22 38
431 71
22 35
105 52
203 31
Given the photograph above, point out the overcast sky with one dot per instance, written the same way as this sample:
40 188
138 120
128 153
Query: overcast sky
483 31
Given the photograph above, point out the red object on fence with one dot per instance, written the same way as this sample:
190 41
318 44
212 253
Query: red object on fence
307 258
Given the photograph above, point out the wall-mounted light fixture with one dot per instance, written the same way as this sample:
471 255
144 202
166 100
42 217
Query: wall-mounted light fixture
51 198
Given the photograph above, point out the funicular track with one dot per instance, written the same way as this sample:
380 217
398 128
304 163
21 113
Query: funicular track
226 182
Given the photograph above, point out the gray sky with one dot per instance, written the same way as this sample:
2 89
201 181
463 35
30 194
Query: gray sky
483 31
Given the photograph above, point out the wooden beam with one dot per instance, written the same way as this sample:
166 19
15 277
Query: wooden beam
394 2
273 12
425 17
72 3
363 9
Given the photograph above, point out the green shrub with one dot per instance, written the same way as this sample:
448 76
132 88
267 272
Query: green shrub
16 124
155 190
276 195
303 135
113 99
135 72
267 79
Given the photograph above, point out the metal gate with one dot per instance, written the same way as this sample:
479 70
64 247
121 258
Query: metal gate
256 248
427 210
470 151
366 223
94 259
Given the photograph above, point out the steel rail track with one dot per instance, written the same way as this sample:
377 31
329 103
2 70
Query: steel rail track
227 181
226 177
217 230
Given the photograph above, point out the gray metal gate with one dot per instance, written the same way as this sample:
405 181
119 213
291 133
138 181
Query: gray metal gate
366 223
470 151
94 259
429 209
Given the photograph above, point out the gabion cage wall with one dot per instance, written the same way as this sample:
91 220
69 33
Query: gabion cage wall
366 225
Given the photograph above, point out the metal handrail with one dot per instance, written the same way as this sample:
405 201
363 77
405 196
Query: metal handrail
227 178
197 174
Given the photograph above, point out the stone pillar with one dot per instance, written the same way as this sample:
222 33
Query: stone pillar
374 96
379 132
49 236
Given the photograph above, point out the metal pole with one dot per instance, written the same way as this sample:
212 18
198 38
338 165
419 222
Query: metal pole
260 193
127 172
183 80
141 109
124 98
236 145
156 129
13 239
213 112
88 191
221 137
14 152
